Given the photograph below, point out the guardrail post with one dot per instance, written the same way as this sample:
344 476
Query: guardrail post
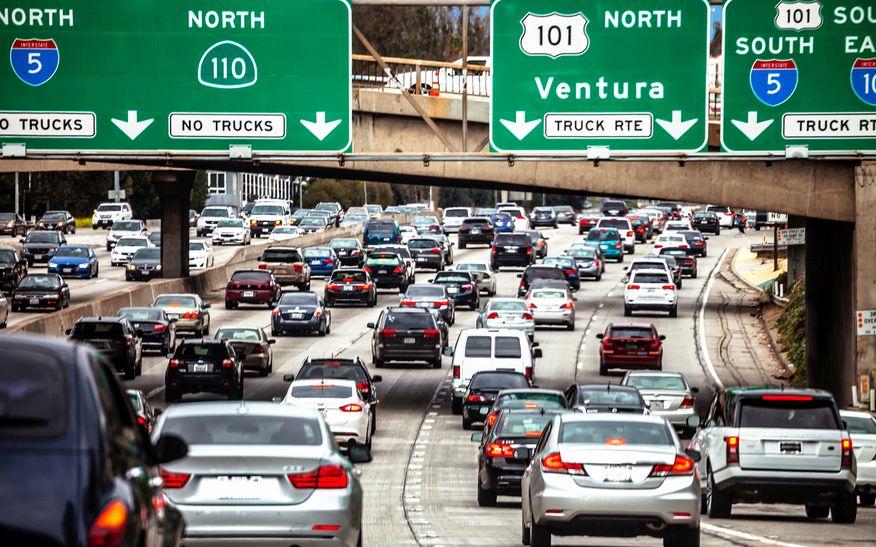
174 190
419 88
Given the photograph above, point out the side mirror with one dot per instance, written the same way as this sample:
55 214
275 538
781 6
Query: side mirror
68 331
207 305
377 378
536 353
693 454
625 280
477 437
276 399
448 351
705 238
535 344
694 421
600 336
694 390
21 240
271 341
64 285
545 238
22 262
370 325
288 377
520 275
662 337
170 448
157 412
432 280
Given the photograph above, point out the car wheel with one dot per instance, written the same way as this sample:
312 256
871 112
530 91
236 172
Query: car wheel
437 364
466 424
603 370
525 537
229 305
131 372
462 244
456 405
682 536
599 277
571 326
673 312
845 510
620 258
868 500
171 395
140 365
265 371
628 311
378 363
322 329
539 536
109 247
486 498
817 511
718 504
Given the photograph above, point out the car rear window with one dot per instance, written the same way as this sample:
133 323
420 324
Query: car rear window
598 234
332 370
345 276
298 299
281 255
609 397
543 273
548 293
498 380
244 430
268 210
141 314
476 222
33 395
615 433
647 266
674 252
201 351
343 243
390 260
513 240
380 227
251 276
508 305
410 321
322 391
508 347
316 252
651 278
630 332
452 278
93 329
787 412
425 291
422 243
531 400
522 424
620 224
642 381
235 335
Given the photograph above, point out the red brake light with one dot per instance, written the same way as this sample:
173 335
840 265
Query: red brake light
553 463
430 333
499 450
567 305
846 461
615 441
468 287
617 245
669 287
633 287
408 303
456 371
328 261
227 363
629 234
687 402
367 269
263 266
327 476
439 303
172 479
532 305
173 363
333 286
435 251
787 397
530 405
326 527
571 272
493 315
596 262
732 448
491 419
387 332
159 327
527 316
476 399
681 466
398 269
109 527
298 267
352 407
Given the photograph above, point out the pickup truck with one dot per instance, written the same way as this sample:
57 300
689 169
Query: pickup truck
774 445
288 266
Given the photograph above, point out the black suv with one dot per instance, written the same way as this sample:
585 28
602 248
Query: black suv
12 269
511 250
203 365
475 230
40 246
538 271
349 250
159 332
406 334
427 253
350 286
462 287
114 338
61 221
334 368
684 258
614 208
76 464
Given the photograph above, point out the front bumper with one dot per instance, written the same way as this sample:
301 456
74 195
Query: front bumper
35 302
222 240
775 486
141 275
70 271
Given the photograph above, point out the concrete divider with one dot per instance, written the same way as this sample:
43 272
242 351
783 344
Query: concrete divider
143 294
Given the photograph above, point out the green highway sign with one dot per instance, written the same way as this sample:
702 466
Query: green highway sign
629 75
799 73
147 77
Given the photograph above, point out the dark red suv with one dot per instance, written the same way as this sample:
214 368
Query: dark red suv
251 287
630 346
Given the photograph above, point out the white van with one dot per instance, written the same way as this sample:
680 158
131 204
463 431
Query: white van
478 350
453 217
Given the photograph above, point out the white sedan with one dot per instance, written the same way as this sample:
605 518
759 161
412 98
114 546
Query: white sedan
233 231
669 240
552 306
407 232
200 255
125 249
346 412
862 429
284 233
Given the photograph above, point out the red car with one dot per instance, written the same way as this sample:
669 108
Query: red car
630 346
251 287
587 221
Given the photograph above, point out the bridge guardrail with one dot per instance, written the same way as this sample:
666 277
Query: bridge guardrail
418 76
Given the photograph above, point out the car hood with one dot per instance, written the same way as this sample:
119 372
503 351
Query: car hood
67 260
145 262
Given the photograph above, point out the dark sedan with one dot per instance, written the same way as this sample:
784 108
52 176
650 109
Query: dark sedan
40 246
12 269
431 297
696 241
41 291
300 312
462 287
349 250
482 391
12 224
251 287
706 221
61 221
144 265
351 286
565 214
388 270
685 259
158 331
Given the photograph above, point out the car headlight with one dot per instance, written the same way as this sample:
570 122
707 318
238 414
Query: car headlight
132 267
158 268
82 266
61 223
52 265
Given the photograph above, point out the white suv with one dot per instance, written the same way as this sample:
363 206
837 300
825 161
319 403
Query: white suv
267 214
624 228
453 217
107 213
125 228
210 217
650 290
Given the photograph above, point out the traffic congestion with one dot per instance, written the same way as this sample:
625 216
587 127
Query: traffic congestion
496 375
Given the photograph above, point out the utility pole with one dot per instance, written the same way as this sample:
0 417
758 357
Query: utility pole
16 194
116 186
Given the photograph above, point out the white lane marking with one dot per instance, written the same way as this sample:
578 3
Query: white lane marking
154 392
710 367
594 317
601 306
610 294
735 534
580 365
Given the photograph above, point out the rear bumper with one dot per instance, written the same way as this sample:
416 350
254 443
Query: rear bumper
476 238
359 297
296 325
775 486
500 260
501 478
631 361
204 384
399 353
553 317
259 296
429 262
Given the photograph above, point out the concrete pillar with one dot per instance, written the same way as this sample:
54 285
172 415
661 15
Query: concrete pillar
174 190
796 254
865 262
830 335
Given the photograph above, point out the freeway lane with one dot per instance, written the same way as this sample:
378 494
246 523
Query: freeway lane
420 488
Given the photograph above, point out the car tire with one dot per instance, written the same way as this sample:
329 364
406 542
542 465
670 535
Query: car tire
680 283
682 536
539 536
466 424
817 511
694 274
571 326
437 362
868 500
378 363
266 371
171 395
628 311
718 504
139 370
620 258
845 510
456 405
131 372
229 305
673 312
322 329
462 244
486 498
109 247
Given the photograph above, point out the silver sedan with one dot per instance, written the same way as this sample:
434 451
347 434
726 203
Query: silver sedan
486 278
667 394
260 473
618 475
507 313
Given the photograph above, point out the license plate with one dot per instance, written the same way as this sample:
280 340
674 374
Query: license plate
34 301
201 367
452 290
475 231
421 259
618 473
483 410
348 287
248 294
67 270
511 249
297 316
317 262
790 448
38 257
383 272
521 453
410 340
238 488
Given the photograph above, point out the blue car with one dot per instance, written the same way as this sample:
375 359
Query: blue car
569 267
610 242
322 260
502 222
74 261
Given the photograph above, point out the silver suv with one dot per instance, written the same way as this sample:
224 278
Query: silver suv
772 445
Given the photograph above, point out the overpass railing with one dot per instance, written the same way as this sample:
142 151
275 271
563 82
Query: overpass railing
421 77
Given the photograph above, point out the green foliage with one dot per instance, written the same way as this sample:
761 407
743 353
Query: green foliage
792 328
348 193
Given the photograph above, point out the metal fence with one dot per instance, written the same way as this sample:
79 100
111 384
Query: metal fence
420 77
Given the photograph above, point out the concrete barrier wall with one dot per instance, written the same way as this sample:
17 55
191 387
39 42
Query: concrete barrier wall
143 294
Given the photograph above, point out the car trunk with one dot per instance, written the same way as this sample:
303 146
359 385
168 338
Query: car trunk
507 317
256 476
283 268
400 337
636 347
297 313
618 467
785 449
245 349
658 400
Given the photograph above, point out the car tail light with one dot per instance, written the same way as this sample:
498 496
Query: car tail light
463 229
498 450
159 327
476 399
318 312
387 332
326 527
640 229
681 466
328 260
259 350
596 262
352 407
571 272
493 315
617 245
298 267
263 266
142 422
172 479
456 371
527 371
699 243
276 312
629 234
129 339
110 525
363 387
431 333
669 287
468 287
732 448
398 269
191 315
173 363
440 303
356 252
367 269
488 228
491 419
227 363
567 305
687 402
531 305
529 250
333 286
633 287
682 246
327 476
846 461
527 316
408 303
493 250
553 463
658 246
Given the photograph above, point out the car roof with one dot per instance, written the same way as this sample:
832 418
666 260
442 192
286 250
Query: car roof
606 387
856 413
758 391
566 417
493 332
401 309
326 382
201 341
231 408
533 390
654 373
102 319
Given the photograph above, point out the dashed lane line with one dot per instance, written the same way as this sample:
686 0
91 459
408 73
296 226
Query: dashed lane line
726 533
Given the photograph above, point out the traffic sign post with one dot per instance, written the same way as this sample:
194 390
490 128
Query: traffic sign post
799 73
157 77
629 75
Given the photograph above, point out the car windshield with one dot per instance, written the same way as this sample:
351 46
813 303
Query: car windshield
599 234
860 424
410 321
48 282
235 335
42 237
498 380
543 273
659 382
268 210
422 244
317 252
244 429
127 226
548 293
94 329
424 291
615 433
281 255
173 301
298 299
344 243
321 391
33 388
784 412
501 217
72 252
141 314
609 397
7 256
133 242
230 223
630 332
153 253
508 305
197 246
201 351
109 208
349 276
424 220
54 216
524 399
528 424
215 212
